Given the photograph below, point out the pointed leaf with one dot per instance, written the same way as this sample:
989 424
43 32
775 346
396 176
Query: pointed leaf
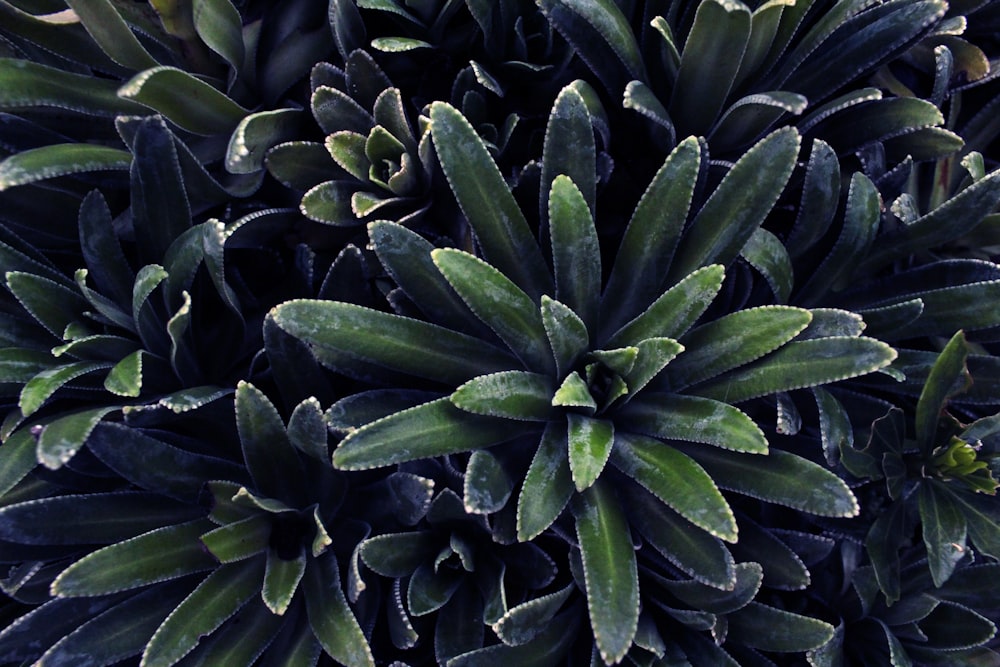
771 629
112 33
589 442
676 480
219 24
566 332
522 623
102 251
654 355
39 164
739 204
43 386
398 555
948 370
332 620
258 132
184 100
576 254
17 459
240 539
432 429
782 567
802 364
610 572
271 460
212 603
636 279
431 588
548 484
53 305
943 526
487 485
395 342
694 419
487 202
549 647
27 84
159 555
511 394
768 255
781 478
63 437
281 580
500 304
569 147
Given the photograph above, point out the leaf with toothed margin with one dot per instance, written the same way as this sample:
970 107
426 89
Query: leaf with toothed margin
548 484
549 647
43 386
566 332
281 580
500 304
63 437
17 459
569 149
257 134
522 623
589 443
948 376
398 555
694 419
271 460
779 477
610 572
53 305
677 480
487 485
801 364
184 100
654 355
330 617
212 603
510 394
501 229
159 555
432 429
576 254
770 629
39 164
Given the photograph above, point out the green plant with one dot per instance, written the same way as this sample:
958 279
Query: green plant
465 333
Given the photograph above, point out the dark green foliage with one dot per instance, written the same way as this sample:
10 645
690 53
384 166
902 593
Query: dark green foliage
469 333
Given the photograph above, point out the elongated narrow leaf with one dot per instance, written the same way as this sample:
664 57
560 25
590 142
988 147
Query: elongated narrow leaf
589 441
63 437
946 373
281 580
820 192
781 478
677 480
38 164
766 253
487 202
273 463
548 647
112 33
26 84
220 26
576 255
548 484
240 539
184 100
43 386
17 459
944 529
609 566
802 364
511 394
522 623
395 342
432 429
159 555
636 279
566 332
500 304
782 567
257 133
102 251
569 148
694 419
52 304
739 205
777 630
211 604
710 599
331 619
709 64
398 555
734 340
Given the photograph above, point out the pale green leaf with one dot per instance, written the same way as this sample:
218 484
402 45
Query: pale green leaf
694 419
566 332
576 254
510 394
39 164
487 485
589 441
281 580
548 484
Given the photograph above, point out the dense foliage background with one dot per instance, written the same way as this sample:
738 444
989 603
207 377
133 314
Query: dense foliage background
471 333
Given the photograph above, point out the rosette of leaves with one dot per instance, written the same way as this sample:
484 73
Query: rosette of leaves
948 624
220 83
593 395
167 335
374 162
731 73
938 475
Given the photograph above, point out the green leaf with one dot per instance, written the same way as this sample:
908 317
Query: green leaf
771 629
299 165
748 577
43 386
102 252
636 279
25 84
834 424
17 459
610 572
739 204
112 33
654 355
548 484
63 437
159 555
240 539
281 580
522 623
348 150
673 313
184 100
500 304
487 485
273 463
219 24
694 419
510 394
212 603
53 305
566 332
944 528
486 201
398 555
125 378
782 567
733 341
768 255
38 164
883 544
801 364
574 393
953 627
569 148
335 111
391 341
589 443
820 193
781 478
432 429
676 480
709 64
548 647
948 371
576 254
430 589
257 133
